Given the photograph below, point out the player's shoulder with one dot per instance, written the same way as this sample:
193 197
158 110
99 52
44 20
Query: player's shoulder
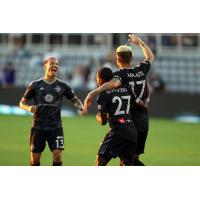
64 85
144 63
122 72
117 71
102 96
62 82
118 74
35 82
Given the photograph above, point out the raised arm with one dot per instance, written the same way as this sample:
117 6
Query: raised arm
148 54
112 84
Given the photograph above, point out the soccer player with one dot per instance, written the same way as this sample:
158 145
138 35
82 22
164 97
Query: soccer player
114 107
134 77
47 94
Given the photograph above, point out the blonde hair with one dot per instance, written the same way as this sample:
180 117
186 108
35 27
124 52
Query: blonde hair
49 58
123 48
124 54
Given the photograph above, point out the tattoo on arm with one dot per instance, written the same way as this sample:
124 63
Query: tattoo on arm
77 103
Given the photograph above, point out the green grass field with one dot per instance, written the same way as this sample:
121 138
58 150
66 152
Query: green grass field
169 143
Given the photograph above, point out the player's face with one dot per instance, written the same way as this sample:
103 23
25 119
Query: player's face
51 67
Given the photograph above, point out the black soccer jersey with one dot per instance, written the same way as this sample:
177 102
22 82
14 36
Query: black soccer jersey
135 78
48 99
117 104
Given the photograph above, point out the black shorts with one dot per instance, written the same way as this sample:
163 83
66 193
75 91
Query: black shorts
142 136
114 146
38 138
140 118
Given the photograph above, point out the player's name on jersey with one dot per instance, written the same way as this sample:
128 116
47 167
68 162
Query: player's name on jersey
117 90
137 75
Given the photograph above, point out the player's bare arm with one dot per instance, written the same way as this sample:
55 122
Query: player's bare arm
24 105
148 54
77 103
102 118
112 84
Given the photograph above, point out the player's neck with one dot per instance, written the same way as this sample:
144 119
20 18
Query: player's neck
49 79
122 66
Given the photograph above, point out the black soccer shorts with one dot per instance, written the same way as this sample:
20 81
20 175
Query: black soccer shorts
142 136
39 137
141 119
141 122
114 146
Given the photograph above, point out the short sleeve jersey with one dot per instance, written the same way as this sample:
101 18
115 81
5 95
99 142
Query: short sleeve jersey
48 99
135 78
117 104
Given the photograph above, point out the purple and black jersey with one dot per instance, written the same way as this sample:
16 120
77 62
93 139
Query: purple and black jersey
48 99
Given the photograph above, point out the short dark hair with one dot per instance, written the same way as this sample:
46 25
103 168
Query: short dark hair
105 74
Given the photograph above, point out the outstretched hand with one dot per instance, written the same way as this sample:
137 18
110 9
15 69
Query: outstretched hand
80 112
87 103
134 39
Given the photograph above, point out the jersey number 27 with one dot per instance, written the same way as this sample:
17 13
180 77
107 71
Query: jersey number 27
118 100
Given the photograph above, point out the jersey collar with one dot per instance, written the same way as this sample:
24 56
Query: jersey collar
48 82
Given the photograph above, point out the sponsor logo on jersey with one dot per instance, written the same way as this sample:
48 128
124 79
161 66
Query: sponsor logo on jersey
121 120
58 89
41 88
48 98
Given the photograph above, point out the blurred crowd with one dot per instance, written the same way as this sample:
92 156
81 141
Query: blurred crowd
81 76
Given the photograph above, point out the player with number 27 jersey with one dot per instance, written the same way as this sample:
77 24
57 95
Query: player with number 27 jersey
114 107
117 104
135 78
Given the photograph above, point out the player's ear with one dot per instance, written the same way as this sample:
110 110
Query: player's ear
101 82
45 66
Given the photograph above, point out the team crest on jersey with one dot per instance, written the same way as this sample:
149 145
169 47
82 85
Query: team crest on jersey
48 98
58 89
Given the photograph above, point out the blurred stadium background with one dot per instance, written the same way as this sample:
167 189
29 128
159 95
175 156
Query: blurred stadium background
174 106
